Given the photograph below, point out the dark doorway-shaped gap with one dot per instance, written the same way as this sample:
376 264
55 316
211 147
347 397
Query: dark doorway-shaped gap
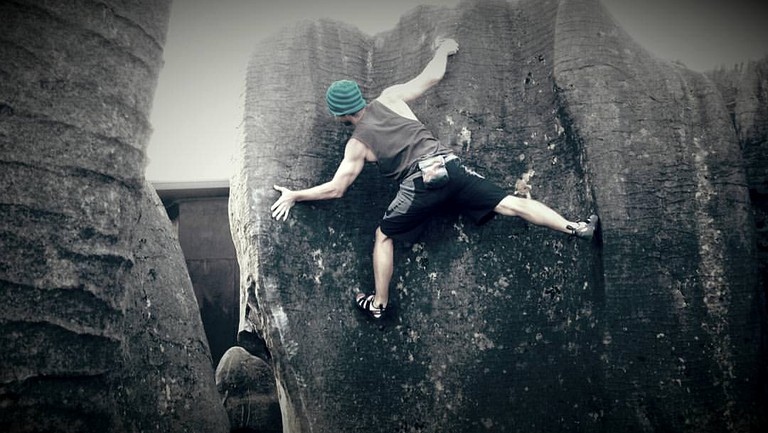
198 211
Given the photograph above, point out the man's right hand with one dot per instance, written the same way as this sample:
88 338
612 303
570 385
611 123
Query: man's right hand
282 207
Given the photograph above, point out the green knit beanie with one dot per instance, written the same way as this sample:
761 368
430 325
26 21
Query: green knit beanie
344 97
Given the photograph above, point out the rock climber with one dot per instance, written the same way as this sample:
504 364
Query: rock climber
430 175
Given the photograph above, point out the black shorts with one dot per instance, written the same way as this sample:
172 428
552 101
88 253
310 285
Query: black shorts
466 192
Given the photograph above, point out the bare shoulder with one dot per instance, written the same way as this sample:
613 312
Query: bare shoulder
357 150
392 100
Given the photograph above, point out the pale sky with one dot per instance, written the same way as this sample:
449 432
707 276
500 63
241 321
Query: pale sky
196 109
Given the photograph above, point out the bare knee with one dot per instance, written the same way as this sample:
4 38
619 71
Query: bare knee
511 206
381 237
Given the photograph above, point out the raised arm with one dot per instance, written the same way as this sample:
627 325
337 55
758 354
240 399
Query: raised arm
349 168
431 75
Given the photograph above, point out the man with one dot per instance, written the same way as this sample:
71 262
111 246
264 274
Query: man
431 177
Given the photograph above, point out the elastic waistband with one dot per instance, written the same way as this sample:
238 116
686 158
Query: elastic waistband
415 172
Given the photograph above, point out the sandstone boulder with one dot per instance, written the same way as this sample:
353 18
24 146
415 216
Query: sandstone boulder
655 326
99 327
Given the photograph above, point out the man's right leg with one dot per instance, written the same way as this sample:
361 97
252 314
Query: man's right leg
383 258
404 218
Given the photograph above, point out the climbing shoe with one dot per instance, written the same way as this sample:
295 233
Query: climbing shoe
365 303
584 229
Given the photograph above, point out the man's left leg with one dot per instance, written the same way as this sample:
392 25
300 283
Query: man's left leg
540 214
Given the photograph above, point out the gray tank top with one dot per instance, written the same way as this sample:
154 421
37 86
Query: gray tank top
397 142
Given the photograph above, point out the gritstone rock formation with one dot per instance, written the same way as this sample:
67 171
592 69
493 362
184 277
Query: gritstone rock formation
655 326
745 93
99 327
247 386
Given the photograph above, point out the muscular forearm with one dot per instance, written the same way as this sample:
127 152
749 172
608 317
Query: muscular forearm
432 73
288 198
325 191
435 69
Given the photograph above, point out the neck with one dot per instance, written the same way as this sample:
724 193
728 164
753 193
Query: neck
357 116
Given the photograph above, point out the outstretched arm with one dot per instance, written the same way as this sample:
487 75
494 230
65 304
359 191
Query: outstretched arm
349 168
431 75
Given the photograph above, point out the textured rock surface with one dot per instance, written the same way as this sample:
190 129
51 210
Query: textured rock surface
745 92
247 386
99 328
508 327
678 256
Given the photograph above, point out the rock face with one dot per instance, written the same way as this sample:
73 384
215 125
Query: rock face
655 326
247 386
99 327
678 257
745 92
